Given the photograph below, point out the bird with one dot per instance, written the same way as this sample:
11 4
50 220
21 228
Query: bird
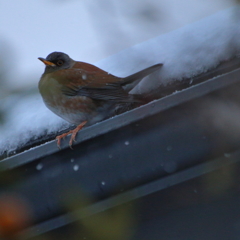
84 94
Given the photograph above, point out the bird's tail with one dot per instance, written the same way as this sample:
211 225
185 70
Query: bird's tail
141 74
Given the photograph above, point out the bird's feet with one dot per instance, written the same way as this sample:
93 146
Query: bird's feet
73 132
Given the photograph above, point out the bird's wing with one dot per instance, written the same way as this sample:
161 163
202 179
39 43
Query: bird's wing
95 85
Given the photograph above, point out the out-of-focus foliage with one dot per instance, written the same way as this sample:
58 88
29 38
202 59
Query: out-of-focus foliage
14 215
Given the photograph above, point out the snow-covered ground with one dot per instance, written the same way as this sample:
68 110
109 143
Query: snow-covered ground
185 52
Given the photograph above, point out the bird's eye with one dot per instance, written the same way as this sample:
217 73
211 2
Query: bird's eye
60 62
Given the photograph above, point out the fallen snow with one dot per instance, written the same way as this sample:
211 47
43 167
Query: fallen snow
28 118
185 52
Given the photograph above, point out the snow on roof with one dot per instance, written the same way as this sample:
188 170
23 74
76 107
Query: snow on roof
185 52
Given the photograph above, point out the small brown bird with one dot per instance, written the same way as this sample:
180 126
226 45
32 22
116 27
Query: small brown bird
84 94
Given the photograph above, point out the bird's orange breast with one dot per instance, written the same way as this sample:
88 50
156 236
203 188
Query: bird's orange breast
73 109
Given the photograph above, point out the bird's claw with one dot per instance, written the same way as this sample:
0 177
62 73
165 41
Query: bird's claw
73 132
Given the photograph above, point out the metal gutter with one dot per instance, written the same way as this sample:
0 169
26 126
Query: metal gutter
125 119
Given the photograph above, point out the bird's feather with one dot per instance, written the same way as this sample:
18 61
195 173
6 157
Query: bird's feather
107 87
105 93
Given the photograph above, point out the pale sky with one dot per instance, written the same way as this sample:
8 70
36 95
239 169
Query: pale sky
87 30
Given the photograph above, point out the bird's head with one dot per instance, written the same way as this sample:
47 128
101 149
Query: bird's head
56 61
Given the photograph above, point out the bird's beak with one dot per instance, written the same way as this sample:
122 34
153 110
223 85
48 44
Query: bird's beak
47 63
